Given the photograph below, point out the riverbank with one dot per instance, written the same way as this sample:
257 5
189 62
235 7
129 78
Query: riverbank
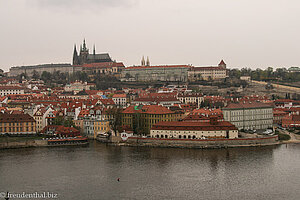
23 144
200 143
28 142
14 143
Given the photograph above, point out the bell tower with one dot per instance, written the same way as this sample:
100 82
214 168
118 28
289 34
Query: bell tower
84 52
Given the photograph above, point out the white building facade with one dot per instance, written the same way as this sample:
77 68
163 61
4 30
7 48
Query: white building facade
249 116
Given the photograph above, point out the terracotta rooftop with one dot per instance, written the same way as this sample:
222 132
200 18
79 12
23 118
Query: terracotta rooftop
119 96
159 66
11 88
207 68
6 118
243 105
222 62
103 65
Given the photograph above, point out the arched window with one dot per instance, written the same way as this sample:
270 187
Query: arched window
179 136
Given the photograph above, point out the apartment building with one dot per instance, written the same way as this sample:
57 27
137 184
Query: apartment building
17 124
141 118
208 73
6 90
249 115
120 99
191 98
194 129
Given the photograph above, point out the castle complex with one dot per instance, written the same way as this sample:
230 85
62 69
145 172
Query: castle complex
82 61
92 63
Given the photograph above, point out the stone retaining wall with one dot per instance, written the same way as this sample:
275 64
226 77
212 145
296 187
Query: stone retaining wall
195 143
23 144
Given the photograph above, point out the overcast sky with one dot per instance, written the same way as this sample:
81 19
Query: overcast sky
245 33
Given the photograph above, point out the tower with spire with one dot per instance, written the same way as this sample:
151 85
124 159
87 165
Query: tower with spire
222 64
143 61
75 56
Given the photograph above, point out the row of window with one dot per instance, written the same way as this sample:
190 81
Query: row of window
16 129
185 137
15 124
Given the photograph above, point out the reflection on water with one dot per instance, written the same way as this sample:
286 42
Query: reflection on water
153 173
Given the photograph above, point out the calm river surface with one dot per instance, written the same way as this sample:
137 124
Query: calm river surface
83 173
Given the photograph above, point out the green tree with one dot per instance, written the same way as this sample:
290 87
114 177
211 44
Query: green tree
35 75
58 120
115 118
46 77
68 123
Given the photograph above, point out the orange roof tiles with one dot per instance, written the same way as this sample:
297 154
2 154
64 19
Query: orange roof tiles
159 66
241 105
119 96
103 65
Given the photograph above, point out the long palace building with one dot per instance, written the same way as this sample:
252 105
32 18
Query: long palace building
146 72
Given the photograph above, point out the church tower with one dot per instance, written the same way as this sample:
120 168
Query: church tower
84 52
75 56
147 62
143 61
222 64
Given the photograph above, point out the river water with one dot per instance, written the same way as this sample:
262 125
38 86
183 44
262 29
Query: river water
81 173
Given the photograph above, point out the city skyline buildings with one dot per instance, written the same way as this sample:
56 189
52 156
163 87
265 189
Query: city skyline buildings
245 33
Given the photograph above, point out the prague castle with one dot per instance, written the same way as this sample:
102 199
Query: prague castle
82 61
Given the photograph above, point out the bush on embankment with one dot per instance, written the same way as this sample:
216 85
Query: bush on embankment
283 136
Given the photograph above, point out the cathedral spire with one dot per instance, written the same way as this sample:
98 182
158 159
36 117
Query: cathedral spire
75 56
94 50
75 50
84 45
147 62
143 61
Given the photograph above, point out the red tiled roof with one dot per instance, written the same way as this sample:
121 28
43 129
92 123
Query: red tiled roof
207 111
2 98
103 65
4 117
284 100
247 105
107 101
159 66
11 88
148 99
190 95
279 112
207 68
222 62
119 96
